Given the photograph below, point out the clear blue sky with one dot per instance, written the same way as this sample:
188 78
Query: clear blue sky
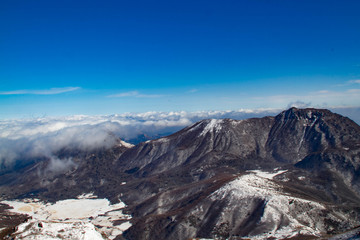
103 57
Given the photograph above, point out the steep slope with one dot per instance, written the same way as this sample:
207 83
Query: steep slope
211 139
297 133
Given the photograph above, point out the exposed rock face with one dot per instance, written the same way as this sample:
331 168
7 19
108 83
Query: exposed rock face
204 145
296 174
297 133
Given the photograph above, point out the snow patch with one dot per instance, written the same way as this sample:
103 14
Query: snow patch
71 218
309 114
301 178
162 140
235 122
213 125
278 205
35 230
125 144
86 196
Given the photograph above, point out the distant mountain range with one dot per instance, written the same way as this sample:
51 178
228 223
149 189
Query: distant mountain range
292 176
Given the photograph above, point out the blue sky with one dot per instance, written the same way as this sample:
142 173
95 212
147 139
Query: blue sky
105 57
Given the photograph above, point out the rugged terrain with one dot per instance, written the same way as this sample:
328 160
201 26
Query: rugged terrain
295 175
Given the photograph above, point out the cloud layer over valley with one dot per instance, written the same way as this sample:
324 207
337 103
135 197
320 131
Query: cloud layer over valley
25 139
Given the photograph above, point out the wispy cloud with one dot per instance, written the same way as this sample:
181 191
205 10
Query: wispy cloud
50 91
136 94
355 81
322 98
299 104
322 92
351 82
194 90
354 91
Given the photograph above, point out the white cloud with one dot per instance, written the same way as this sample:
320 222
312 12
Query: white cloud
322 92
355 81
50 91
134 94
299 104
194 90
354 91
57 165
351 82
126 94
322 98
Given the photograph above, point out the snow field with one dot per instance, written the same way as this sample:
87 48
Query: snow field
71 218
278 205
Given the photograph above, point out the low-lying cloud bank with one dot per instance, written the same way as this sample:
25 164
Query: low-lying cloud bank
31 138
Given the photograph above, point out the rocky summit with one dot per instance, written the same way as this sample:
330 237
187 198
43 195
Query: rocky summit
292 176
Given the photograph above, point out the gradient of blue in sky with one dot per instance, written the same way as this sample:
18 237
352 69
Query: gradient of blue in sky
104 57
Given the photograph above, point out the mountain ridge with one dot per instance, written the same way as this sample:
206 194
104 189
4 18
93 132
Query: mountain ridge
286 141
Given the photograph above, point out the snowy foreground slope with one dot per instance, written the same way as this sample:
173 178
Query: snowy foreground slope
277 208
292 176
87 217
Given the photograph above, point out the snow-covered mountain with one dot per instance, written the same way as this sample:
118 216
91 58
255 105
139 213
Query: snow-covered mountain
295 175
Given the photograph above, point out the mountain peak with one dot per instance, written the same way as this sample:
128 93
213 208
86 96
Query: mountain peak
304 113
